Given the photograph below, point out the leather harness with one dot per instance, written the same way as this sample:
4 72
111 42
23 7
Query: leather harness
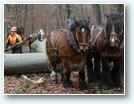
70 40
93 40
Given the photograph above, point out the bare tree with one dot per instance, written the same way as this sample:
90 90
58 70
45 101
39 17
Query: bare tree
53 16
82 11
120 8
97 12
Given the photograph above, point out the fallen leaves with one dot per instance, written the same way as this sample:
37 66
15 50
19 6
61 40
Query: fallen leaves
17 85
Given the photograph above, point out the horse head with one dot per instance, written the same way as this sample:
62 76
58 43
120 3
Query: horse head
82 34
115 29
20 30
41 35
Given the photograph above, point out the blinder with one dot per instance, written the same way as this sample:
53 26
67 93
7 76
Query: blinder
83 44
115 38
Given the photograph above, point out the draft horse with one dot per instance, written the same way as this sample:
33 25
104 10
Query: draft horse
98 43
115 50
69 47
108 49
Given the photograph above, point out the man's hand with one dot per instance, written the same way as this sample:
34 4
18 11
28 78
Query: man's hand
18 44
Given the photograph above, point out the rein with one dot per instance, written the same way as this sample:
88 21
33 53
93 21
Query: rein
71 41
92 40
121 45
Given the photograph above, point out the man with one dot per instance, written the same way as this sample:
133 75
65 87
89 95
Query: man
12 39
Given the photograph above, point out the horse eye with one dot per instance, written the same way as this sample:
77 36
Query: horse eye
83 30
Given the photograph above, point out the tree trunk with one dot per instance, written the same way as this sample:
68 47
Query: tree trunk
70 11
60 14
120 8
25 18
97 11
25 63
32 18
82 12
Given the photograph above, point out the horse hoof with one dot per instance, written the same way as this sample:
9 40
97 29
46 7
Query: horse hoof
106 86
117 85
67 84
83 86
91 81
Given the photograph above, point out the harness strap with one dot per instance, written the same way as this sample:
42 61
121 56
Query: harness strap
71 41
53 41
91 33
92 40
121 32
122 43
97 36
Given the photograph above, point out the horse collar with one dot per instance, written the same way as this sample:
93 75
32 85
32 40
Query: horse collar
93 40
71 42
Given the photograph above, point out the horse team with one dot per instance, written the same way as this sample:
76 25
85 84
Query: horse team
95 50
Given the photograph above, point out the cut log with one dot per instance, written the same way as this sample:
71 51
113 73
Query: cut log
25 63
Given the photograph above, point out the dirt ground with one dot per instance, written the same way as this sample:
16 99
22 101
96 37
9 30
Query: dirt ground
17 85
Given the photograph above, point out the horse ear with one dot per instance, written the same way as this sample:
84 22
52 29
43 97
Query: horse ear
106 15
76 22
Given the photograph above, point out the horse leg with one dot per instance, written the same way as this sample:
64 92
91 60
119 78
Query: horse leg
90 71
115 75
97 67
82 81
66 74
106 75
53 75
66 78
61 72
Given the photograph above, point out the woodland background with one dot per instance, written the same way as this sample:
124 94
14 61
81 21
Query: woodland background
53 16
50 17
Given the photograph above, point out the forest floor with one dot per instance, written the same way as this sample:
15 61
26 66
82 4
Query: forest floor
17 85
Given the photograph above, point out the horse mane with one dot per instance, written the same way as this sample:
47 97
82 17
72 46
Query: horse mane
116 19
82 23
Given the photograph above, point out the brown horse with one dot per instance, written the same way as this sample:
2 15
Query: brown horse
98 43
69 48
115 34
107 49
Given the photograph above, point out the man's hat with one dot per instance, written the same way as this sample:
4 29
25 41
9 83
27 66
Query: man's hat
14 29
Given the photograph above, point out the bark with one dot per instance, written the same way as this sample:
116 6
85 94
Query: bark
25 63
97 11
120 8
